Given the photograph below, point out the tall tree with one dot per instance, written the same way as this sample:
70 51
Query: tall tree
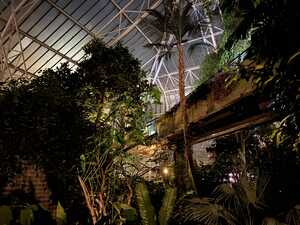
65 119
119 92
177 22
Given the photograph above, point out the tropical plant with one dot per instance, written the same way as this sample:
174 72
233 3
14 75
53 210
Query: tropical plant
233 204
120 94
203 210
28 215
40 124
263 191
87 118
6 215
273 63
224 59
146 208
176 23
167 205
274 67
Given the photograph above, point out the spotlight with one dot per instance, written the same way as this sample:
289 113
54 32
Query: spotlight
165 171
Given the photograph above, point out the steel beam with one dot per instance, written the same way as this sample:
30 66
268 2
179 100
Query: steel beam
136 22
161 61
12 22
131 21
116 16
62 11
44 45
176 72
21 70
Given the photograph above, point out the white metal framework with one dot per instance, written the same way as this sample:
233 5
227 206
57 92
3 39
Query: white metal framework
40 34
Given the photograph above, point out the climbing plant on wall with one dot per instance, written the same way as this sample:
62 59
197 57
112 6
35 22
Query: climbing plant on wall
271 154
272 61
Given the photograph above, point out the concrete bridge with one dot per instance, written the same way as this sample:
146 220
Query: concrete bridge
216 109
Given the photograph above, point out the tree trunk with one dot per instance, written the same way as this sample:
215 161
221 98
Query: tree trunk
242 153
183 179
187 148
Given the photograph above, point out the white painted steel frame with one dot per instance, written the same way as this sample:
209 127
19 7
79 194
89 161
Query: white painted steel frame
13 61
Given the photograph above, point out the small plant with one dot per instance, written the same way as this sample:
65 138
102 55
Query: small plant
30 215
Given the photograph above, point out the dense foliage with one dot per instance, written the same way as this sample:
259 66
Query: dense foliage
250 182
255 177
273 62
63 120
224 58
78 126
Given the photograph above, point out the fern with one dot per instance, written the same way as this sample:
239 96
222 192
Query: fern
167 206
146 208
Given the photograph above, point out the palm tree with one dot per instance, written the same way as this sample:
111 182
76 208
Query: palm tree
177 22
233 204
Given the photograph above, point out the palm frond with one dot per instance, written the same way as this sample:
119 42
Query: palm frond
158 15
233 197
178 18
241 30
227 195
186 9
293 216
195 27
204 211
166 54
154 25
255 191
270 221
249 190
198 13
193 47
166 49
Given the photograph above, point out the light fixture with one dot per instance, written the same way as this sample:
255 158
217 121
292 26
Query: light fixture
165 171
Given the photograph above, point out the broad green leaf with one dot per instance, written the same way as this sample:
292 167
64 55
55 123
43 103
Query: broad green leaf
61 217
128 212
6 215
26 216
167 206
146 208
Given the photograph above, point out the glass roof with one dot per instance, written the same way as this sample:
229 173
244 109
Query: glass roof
40 34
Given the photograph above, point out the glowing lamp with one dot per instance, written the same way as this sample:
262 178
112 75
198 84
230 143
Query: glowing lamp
165 171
